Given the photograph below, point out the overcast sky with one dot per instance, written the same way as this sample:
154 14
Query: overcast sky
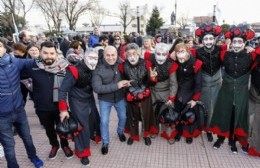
232 11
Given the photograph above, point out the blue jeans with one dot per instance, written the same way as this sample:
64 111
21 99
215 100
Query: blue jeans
18 119
105 108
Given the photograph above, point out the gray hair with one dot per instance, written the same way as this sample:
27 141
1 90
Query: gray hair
162 47
108 48
131 46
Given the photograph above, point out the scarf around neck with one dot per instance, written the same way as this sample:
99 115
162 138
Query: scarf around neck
58 68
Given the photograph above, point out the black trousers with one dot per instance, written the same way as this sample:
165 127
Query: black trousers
49 119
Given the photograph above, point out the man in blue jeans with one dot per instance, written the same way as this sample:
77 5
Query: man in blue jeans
108 84
12 111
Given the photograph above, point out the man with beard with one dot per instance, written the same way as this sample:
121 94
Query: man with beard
210 55
12 111
139 102
230 117
76 87
47 73
165 87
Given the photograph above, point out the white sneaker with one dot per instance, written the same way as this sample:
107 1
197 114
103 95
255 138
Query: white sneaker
2 154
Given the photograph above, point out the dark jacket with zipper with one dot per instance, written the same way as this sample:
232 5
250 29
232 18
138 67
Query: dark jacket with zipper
104 82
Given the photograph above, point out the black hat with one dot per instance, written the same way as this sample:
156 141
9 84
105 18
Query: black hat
205 29
242 30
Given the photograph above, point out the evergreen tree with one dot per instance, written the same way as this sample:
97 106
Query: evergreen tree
154 22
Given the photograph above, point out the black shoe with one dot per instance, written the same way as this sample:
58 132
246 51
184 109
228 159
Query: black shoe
53 152
245 149
68 152
84 161
104 149
122 137
230 141
177 138
189 140
147 141
209 136
234 147
218 143
130 141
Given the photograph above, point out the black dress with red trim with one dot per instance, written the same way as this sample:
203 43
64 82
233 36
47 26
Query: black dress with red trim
139 102
189 87
76 86
232 101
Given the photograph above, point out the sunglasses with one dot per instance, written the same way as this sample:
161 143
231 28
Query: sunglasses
117 39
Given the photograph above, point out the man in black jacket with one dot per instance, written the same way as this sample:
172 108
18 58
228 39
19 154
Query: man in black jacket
47 73
108 84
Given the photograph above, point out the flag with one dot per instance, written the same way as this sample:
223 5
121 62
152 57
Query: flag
15 27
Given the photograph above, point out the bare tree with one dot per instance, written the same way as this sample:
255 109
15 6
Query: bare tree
125 14
182 21
75 8
52 9
16 8
97 14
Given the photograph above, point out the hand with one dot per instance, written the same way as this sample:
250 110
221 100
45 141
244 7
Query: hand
249 49
169 103
63 115
153 72
192 103
123 83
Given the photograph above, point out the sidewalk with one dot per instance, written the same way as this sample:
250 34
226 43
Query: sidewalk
200 154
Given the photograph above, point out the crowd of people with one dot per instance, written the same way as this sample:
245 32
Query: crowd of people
197 84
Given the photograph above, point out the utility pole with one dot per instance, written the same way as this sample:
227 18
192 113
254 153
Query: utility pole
138 20
214 14
175 12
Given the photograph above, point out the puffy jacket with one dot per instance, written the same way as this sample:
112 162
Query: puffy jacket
11 97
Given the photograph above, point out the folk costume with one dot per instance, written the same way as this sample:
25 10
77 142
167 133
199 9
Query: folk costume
210 55
138 96
165 87
254 106
189 90
230 117
76 87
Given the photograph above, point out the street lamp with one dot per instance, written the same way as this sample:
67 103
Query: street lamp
138 20
59 25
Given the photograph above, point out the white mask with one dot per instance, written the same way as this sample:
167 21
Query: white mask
133 60
181 56
160 58
208 40
91 62
238 44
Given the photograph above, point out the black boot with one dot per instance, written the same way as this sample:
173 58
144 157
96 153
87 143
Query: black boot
209 136
84 161
234 147
219 142
130 141
189 140
147 141
104 149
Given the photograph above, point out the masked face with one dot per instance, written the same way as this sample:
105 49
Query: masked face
182 55
132 56
238 44
91 60
160 57
208 41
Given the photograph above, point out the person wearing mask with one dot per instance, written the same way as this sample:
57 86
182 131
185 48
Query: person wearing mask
77 89
230 116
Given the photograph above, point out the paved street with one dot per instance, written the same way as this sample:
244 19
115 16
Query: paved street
200 154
